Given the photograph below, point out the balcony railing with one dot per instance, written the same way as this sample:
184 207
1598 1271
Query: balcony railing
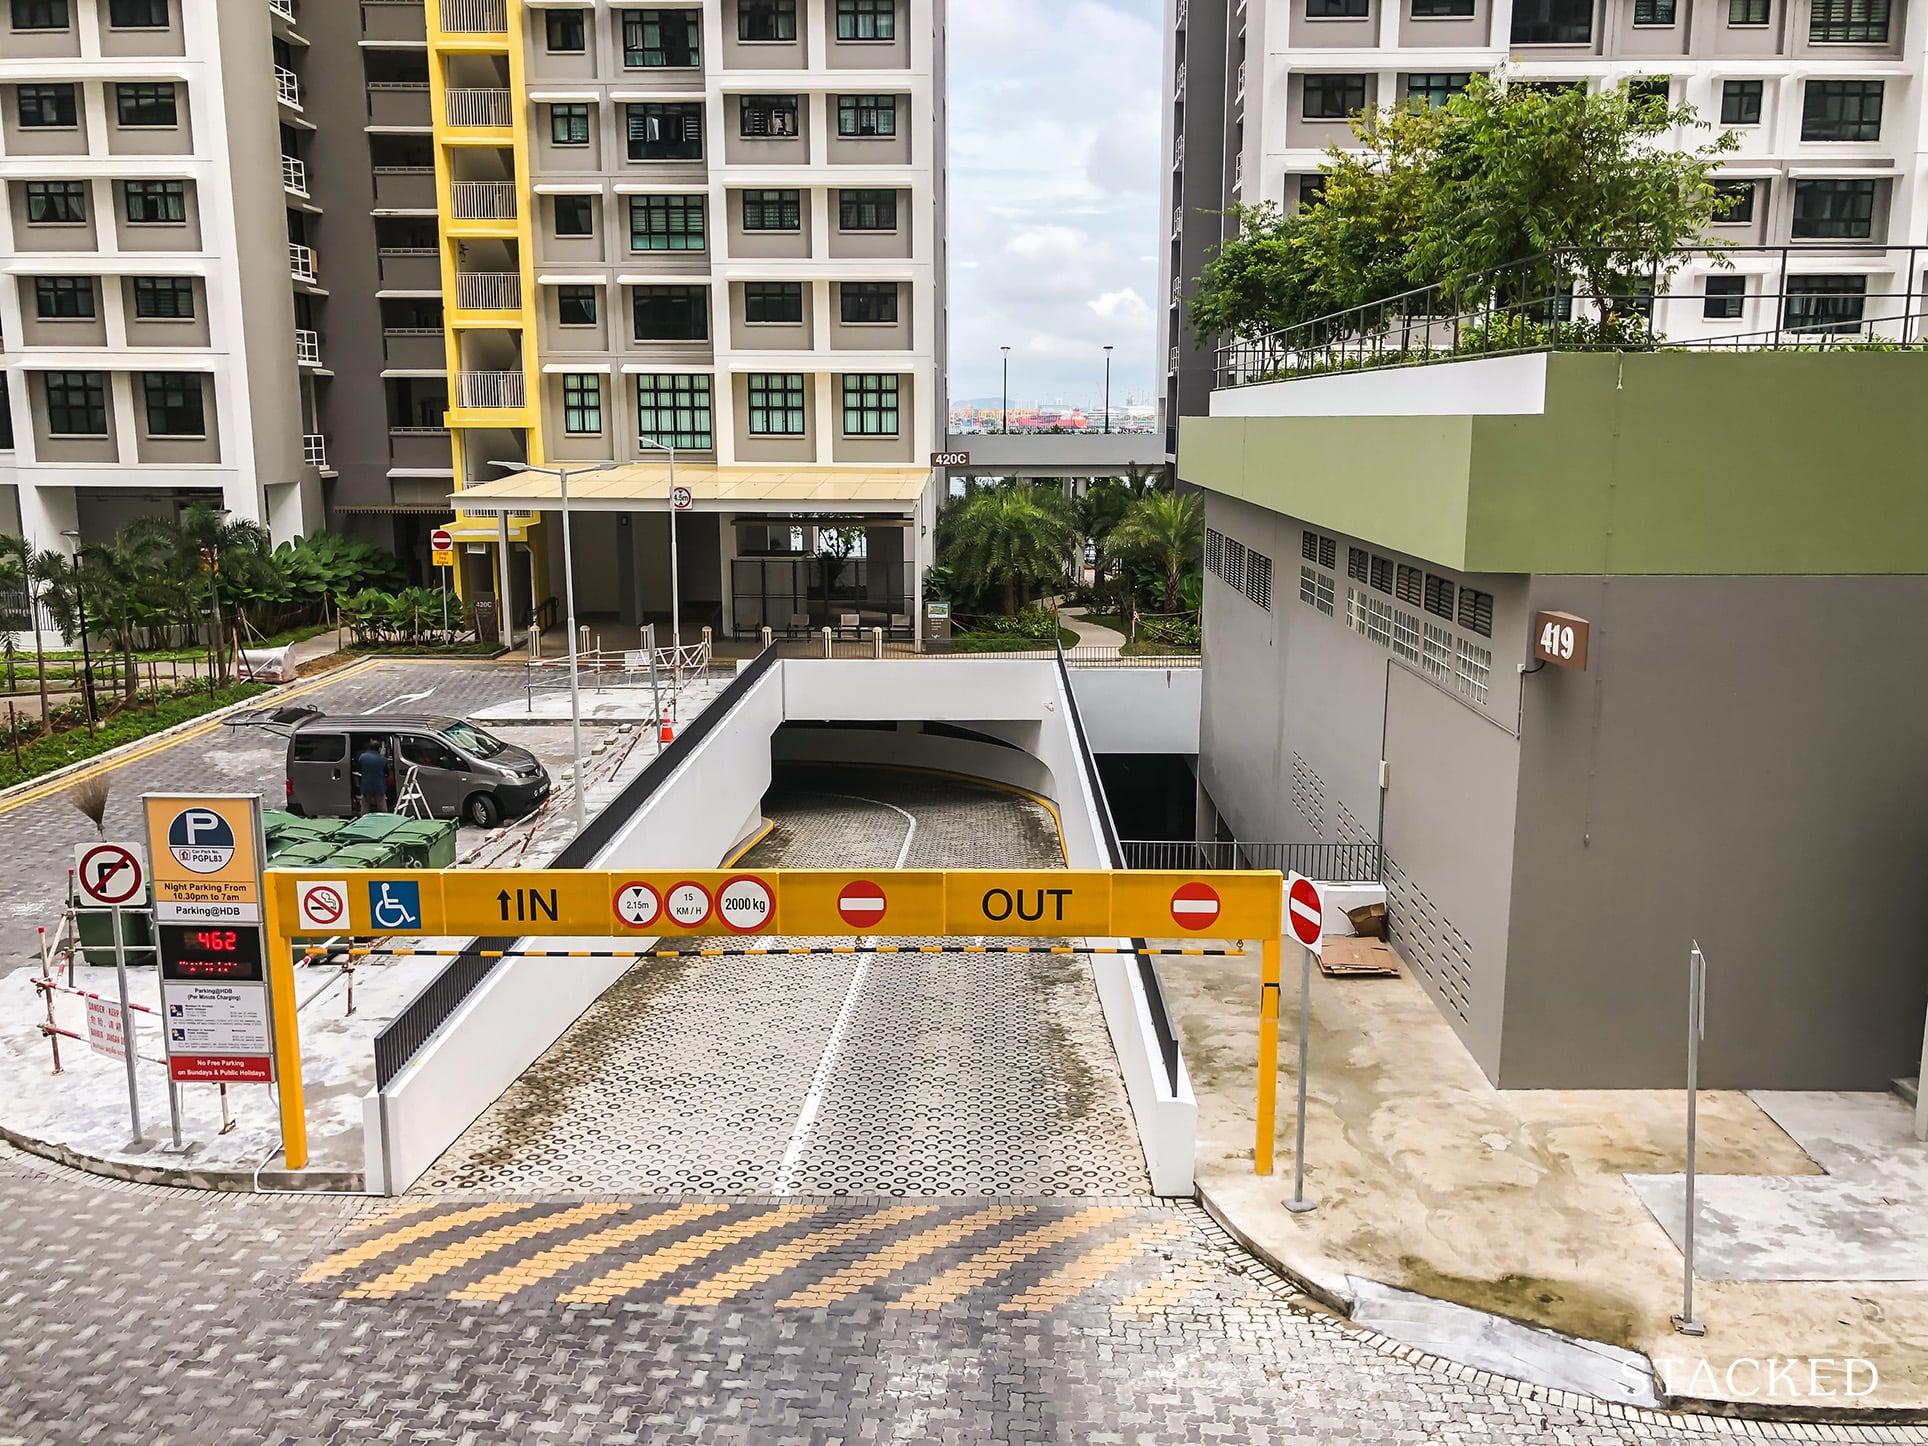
1727 298
301 262
307 347
488 291
482 200
288 86
1336 863
487 390
472 106
284 8
1178 153
294 175
314 449
1240 93
1178 220
1178 82
475 17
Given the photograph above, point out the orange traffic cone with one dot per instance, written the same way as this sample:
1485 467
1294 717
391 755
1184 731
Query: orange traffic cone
668 731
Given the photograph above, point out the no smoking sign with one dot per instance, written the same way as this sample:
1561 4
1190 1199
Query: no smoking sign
323 906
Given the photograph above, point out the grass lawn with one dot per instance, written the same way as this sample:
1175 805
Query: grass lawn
1108 620
74 744
1008 642
425 650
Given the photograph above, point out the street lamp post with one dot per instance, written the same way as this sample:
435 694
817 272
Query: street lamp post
86 657
1004 417
562 476
675 580
1107 391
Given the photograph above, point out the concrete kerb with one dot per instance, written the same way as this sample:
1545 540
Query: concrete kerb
186 1177
1343 1305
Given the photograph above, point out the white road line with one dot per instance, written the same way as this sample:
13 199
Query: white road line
404 698
786 1181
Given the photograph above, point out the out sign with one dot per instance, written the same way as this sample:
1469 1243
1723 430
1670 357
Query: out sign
1561 639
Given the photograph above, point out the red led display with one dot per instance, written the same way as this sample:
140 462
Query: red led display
195 953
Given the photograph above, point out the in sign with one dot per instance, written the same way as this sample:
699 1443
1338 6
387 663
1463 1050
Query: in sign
1305 912
1195 906
861 904
637 905
689 905
442 540
745 904
681 498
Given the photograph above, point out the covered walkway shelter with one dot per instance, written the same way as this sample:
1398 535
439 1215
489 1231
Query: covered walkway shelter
791 548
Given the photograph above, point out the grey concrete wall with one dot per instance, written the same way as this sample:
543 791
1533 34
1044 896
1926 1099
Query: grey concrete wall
1741 764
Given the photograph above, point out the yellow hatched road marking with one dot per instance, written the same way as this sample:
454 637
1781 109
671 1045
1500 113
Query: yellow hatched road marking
900 1253
790 1254
994 1260
659 1263
458 1253
558 1258
1077 1276
389 1214
1168 1291
368 1250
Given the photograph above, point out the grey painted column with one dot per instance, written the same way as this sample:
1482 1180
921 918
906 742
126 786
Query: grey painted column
505 605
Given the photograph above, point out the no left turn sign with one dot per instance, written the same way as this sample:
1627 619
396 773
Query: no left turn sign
110 875
745 904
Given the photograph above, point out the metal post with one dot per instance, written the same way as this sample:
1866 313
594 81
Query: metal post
227 1120
1107 391
174 1118
675 586
502 556
1268 1058
1298 1204
581 808
47 973
1686 1322
139 1142
1004 417
655 694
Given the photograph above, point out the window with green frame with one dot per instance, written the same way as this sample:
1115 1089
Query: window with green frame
866 115
870 405
662 39
1428 90
776 404
666 223
569 123
674 409
582 404
866 19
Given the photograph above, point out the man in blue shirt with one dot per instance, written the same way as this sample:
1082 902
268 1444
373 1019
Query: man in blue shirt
371 768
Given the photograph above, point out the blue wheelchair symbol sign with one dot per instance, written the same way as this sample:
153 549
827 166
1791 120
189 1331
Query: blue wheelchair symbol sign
395 903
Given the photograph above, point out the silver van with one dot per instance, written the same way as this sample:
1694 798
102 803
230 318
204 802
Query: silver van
464 771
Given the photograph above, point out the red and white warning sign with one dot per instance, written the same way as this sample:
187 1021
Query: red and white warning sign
110 875
688 904
637 904
745 904
862 904
1305 912
442 540
1195 906
323 905
105 1034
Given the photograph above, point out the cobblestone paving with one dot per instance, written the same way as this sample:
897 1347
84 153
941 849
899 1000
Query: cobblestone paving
906 1074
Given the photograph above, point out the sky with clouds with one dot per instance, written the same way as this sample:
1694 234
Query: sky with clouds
1054 172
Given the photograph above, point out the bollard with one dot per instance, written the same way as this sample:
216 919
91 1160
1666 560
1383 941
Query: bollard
708 638
47 973
826 642
877 642
764 638
227 1120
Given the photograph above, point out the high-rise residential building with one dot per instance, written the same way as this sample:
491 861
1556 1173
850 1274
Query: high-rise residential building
1823 95
714 228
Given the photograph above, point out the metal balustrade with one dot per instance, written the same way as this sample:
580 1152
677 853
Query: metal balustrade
294 175
475 17
307 346
476 106
301 261
491 390
488 291
482 200
314 449
288 86
284 8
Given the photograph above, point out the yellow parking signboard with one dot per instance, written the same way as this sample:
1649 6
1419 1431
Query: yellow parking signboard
205 865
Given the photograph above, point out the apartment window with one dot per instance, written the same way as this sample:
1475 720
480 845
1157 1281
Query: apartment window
1380 574
57 203
77 404
1739 198
1553 22
1725 297
1311 190
866 115
666 223
776 404
1841 110
672 313
773 303
1333 97
569 124
1337 9
1356 563
1442 9
156 203
575 215
1749 12
867 210
1862 22
1740 102
164 298
1825 303
1315 548
665 132
1649 92
1653 12
40 14
870 303
1315 589
1833 210
870 405
566 33
582 404
137 14
1431 89
767 115
773 210
866 19
1476 611
674 410
1472 669
662 39
63 298
575 306
146 105
174 404
766 19
1439 597
47 107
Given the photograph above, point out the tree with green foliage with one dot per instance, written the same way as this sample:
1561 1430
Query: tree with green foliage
201 556
16 575
1445 195
1008 537
1166 531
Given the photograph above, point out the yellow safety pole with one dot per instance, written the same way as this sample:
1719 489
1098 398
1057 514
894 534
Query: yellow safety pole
287 1032
1268 1057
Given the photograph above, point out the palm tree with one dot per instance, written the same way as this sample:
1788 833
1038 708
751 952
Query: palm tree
1168 532
206 548
16 574
1009 537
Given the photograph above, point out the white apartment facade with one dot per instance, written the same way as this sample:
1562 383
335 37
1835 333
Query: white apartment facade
147 283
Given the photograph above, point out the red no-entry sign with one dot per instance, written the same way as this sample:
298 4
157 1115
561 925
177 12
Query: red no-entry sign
1305 912
442 540
861 904
1195 906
